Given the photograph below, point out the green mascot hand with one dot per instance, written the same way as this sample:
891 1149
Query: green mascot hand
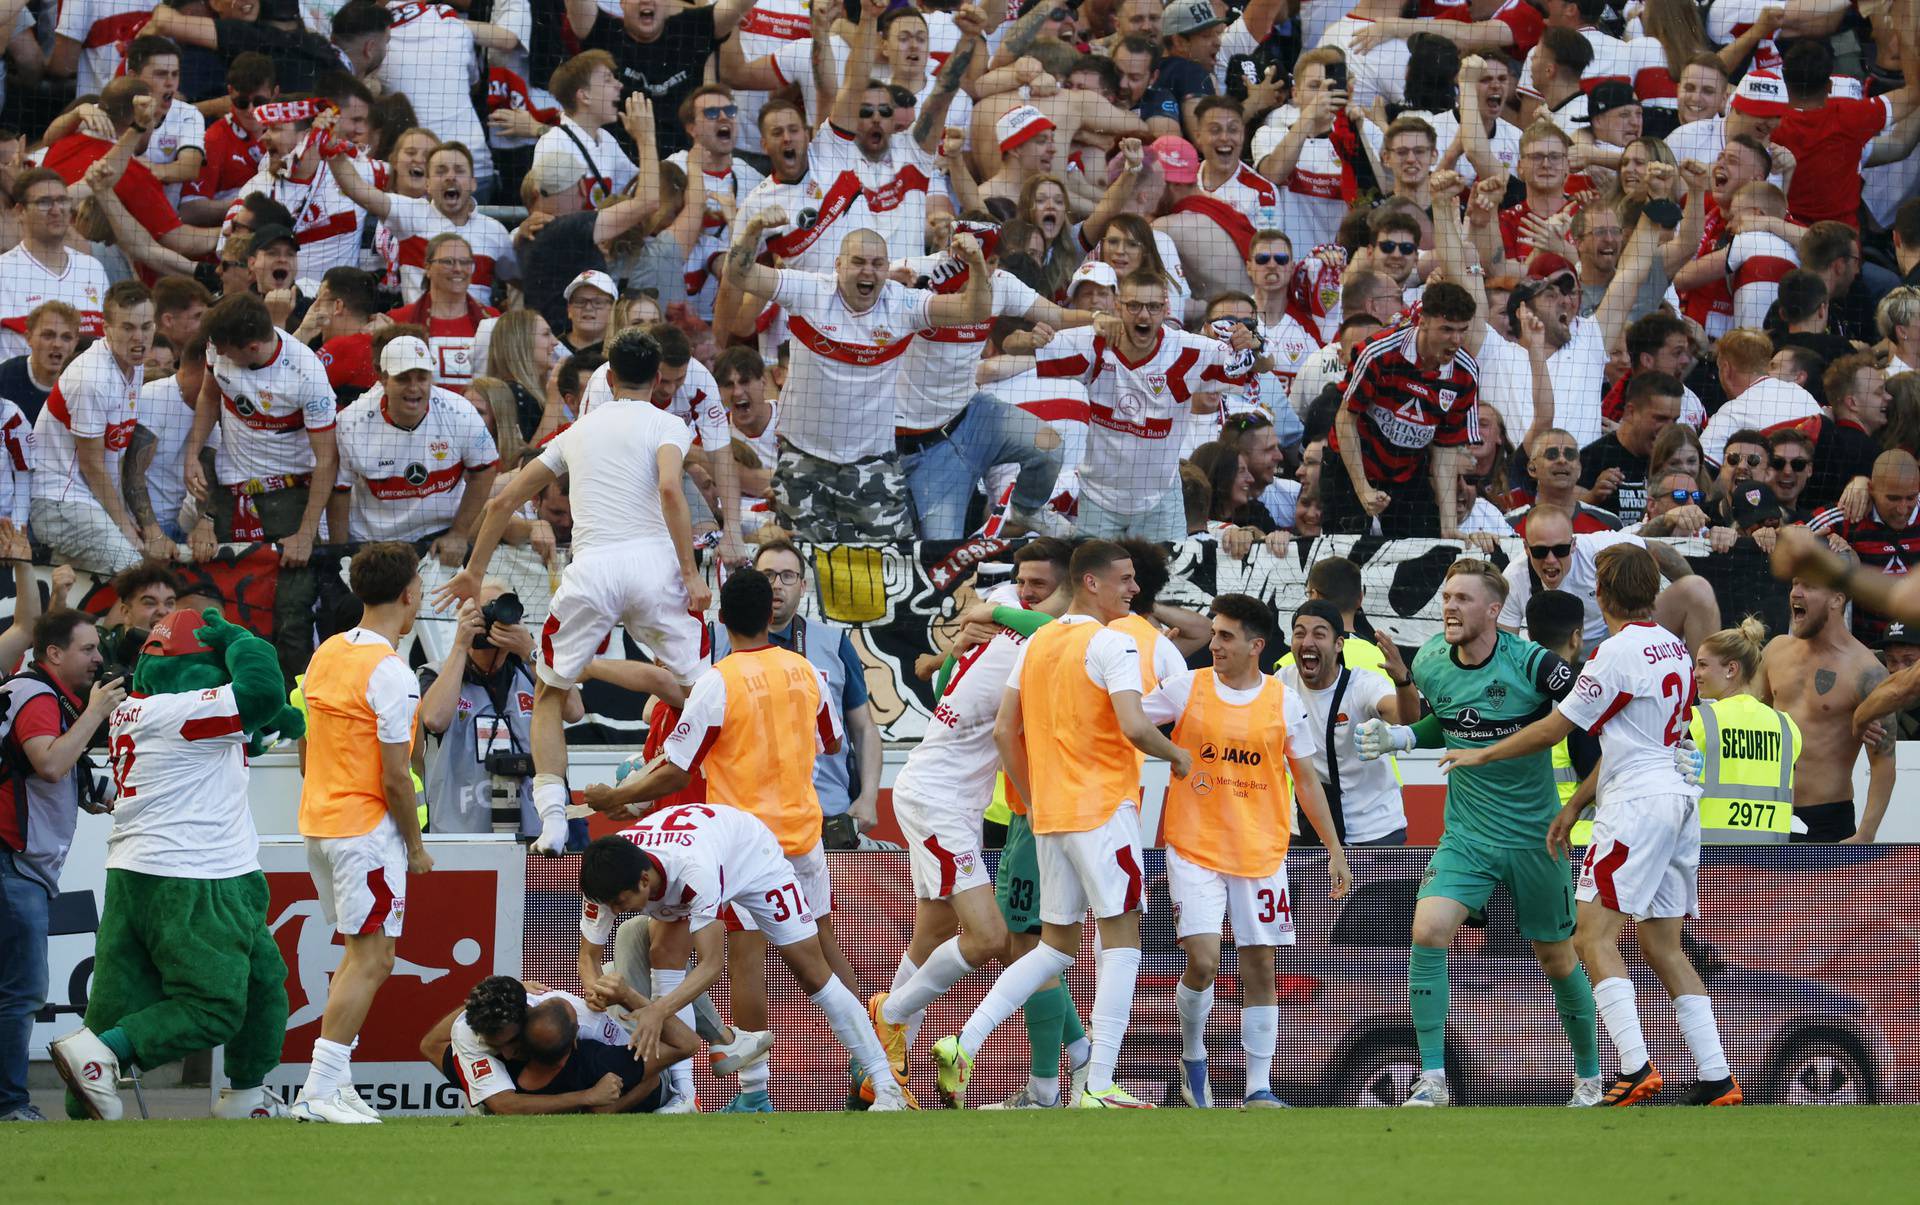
217 634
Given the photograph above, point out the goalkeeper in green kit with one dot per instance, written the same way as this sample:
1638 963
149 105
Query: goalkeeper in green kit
1484 684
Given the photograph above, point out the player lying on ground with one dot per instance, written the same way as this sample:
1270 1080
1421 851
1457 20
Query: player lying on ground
518 1049
686 864
1227 830
729 1050
1636 695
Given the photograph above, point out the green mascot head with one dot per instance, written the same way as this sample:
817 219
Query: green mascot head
188 652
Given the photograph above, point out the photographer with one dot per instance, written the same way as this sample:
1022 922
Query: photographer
45 726
479 704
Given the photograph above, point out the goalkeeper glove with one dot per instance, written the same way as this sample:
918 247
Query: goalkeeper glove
1690 762
1376 738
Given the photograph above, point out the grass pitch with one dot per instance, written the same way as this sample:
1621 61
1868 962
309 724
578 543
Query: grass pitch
1656 1154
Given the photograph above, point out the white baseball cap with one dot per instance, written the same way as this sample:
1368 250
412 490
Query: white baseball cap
591 280
1020 125
408 353
1093 271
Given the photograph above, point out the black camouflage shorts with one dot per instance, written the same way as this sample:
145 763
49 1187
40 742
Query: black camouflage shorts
827 502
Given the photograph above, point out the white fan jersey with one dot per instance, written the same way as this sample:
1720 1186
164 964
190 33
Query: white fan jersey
180 768
93 399
266 412
1637 695
840 389
25 283
937 371
1132 459
696 403
407 484
416 222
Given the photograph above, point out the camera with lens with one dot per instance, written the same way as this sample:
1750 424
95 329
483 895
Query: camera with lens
119 653
506 609
510 765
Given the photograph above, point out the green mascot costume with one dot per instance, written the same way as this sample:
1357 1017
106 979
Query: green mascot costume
183 961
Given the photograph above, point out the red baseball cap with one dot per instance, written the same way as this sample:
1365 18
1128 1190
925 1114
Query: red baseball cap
1179 162
178 635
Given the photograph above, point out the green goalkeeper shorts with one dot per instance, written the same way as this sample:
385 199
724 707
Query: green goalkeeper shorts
1016 884
1540 883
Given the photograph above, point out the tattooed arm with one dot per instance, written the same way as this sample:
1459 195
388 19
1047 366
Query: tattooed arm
932 121
742 271
1020 39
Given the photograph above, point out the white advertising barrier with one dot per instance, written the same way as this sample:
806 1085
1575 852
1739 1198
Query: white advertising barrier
461 921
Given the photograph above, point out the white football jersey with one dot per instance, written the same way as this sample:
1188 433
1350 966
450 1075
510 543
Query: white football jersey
326 224
768 25
432 59
484 1072
888 194
25 282
93 399
265 413
696 403
695 846
407 485
182 129
957 761
1637 695
937 371
611 457
1132 458
840 389
416 221
169 418
16 464
180 767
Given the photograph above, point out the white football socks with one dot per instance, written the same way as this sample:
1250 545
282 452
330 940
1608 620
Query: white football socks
1259 1031
903 975
1194 1008
754 1078
665 981
329 1070
855 1030
943 968
1703 1036
1114 975
1614 999
1028 974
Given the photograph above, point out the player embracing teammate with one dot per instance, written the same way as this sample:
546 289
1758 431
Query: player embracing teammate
1636 695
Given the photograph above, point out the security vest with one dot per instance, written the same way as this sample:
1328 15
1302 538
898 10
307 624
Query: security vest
1747 781
46 813
1566 780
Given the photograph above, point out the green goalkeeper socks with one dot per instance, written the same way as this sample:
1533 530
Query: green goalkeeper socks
1573 998
1046 1013
1427 993
1072 1032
